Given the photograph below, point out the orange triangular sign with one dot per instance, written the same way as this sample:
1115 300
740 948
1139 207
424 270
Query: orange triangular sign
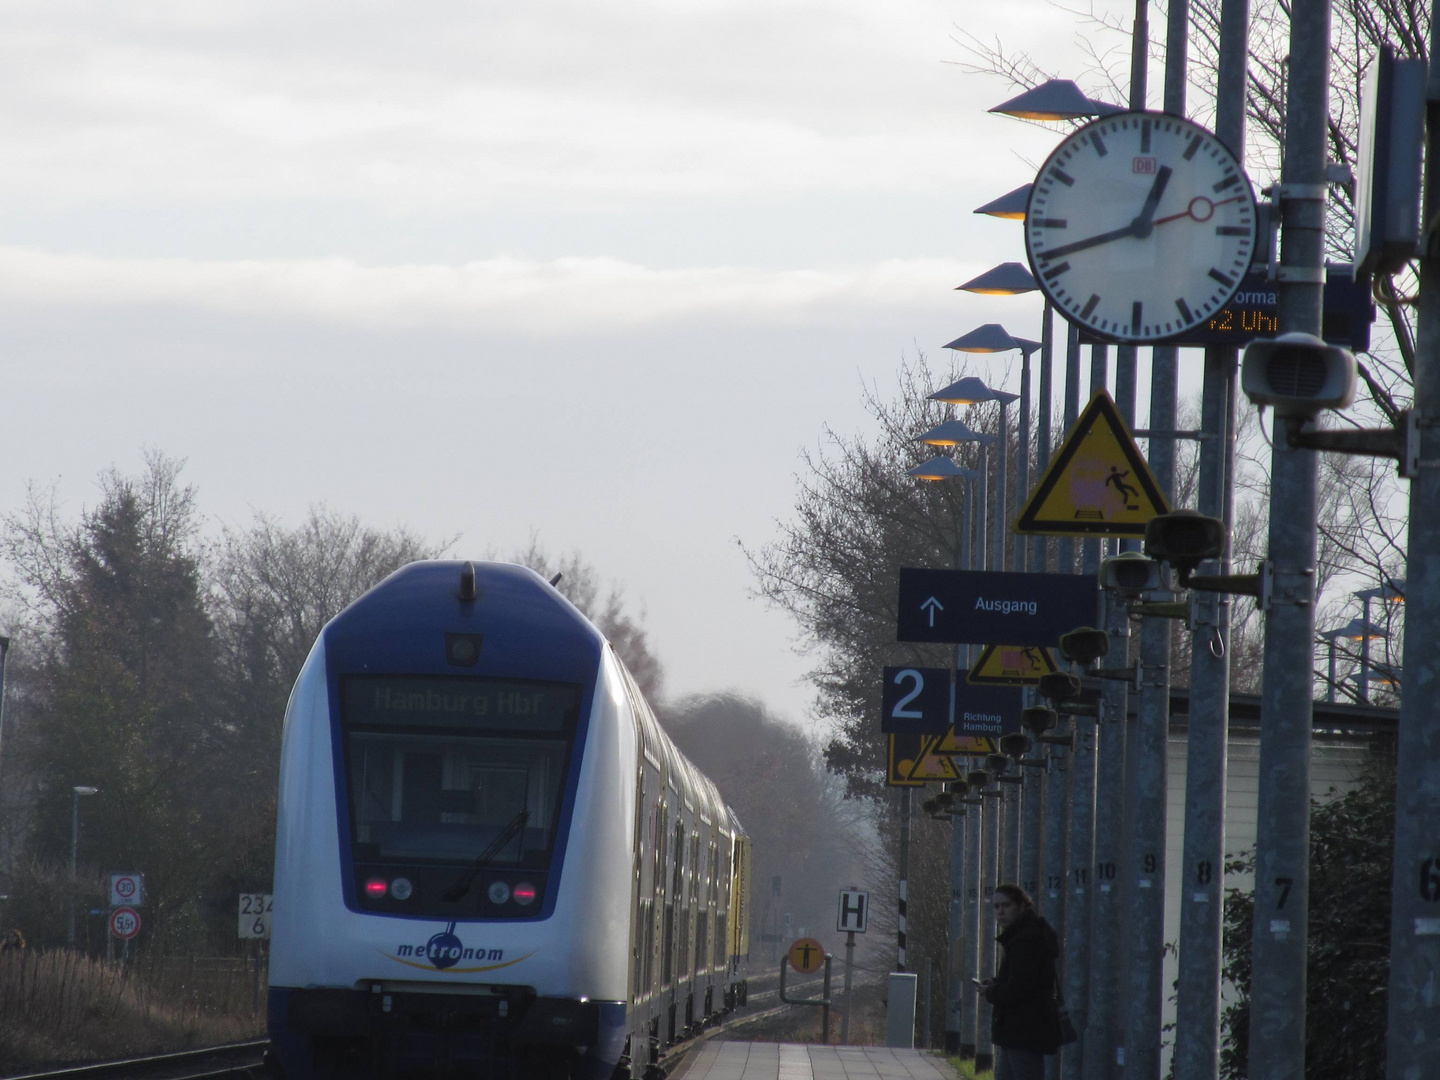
952 745
1099 483
1012 665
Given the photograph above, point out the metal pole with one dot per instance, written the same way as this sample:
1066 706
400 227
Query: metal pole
1072 413
1202 875
1077 903
1039 558
1414 1039
825 1009
925 1011
1364 681
1145 887
1004 512
970 1004
904 875
1282 842
1052 900
1031 824
1022 462
958 976
849 968
1103 1015
983 556
74 856
1146 924
984 1052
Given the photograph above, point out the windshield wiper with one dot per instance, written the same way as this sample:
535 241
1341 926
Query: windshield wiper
467 879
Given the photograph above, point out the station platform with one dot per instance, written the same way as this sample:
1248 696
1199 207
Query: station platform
802 1061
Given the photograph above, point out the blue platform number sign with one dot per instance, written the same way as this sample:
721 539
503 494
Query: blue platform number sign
915 701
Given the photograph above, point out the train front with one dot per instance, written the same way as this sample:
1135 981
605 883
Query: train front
452 891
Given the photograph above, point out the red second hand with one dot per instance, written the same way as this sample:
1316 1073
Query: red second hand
1186 212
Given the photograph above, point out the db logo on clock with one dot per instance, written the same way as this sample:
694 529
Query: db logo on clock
1145 165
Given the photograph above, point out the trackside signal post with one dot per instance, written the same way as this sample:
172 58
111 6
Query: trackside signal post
853 916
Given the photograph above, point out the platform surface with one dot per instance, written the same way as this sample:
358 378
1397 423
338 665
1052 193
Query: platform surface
798 1061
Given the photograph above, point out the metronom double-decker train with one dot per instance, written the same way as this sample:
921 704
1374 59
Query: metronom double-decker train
490 859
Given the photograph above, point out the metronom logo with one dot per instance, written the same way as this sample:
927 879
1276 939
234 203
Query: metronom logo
444 951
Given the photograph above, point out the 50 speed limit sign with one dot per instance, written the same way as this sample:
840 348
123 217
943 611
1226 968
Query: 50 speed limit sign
255 914
124 923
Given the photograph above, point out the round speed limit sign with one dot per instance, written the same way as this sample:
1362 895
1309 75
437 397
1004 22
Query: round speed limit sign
124 923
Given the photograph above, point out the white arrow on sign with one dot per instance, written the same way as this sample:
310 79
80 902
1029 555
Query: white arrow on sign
931 606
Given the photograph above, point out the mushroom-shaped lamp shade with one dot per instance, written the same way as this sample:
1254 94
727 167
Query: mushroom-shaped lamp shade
989 338
1007 279
1011 205
1054 99
941 468
953 433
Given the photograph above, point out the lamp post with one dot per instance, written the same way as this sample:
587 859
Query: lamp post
952 433
1363 631
79 792
1060 99
1391 592
960 995
1014 279
972 391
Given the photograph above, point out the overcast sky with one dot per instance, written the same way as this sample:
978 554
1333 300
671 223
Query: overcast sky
596 271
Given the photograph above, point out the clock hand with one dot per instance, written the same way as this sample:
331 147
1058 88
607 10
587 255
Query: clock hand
1146 218
1189 211
1140 227
1089 242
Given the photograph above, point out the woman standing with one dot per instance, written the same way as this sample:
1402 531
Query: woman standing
1025 1023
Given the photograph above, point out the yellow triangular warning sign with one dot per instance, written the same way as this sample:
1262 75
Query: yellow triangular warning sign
1012 665
1099 484
914 762
952 745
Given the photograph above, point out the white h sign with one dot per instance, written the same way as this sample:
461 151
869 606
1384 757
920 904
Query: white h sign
854 911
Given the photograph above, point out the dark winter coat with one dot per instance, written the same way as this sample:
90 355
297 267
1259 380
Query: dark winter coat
1025 1016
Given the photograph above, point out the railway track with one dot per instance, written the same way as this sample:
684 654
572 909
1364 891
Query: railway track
241 1061
244 1060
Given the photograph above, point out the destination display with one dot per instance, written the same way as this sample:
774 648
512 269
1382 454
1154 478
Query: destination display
388 701
1254 312
976 607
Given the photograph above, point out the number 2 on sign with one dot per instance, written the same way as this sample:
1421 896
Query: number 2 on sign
917 685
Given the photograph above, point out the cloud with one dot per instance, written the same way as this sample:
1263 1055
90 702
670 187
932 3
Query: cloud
566 296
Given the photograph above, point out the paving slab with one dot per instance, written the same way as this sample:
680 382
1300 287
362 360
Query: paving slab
800 1061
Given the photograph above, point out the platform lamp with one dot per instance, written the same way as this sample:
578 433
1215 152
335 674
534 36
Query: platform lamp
973 391
1364 632
1055 99
80 791
954 433
1390 592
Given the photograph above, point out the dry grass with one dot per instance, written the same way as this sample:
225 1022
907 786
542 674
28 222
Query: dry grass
63 1006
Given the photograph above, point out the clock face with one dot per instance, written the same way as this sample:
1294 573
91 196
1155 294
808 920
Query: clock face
1140 226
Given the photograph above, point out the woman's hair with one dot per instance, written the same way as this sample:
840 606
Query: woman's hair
1018 895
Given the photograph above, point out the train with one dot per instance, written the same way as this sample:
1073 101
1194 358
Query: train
490 858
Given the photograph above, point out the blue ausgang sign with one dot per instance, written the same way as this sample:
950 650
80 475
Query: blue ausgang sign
976 607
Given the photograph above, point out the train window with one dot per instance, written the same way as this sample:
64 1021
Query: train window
440 767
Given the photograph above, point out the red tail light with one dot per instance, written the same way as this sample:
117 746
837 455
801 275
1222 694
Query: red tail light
376 887
524 893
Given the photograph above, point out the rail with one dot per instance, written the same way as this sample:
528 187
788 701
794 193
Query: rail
242 1059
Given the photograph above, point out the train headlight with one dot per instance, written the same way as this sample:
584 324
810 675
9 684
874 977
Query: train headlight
524 894
499 892
375 888
401 888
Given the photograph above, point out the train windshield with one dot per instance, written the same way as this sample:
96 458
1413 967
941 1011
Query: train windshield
439 767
